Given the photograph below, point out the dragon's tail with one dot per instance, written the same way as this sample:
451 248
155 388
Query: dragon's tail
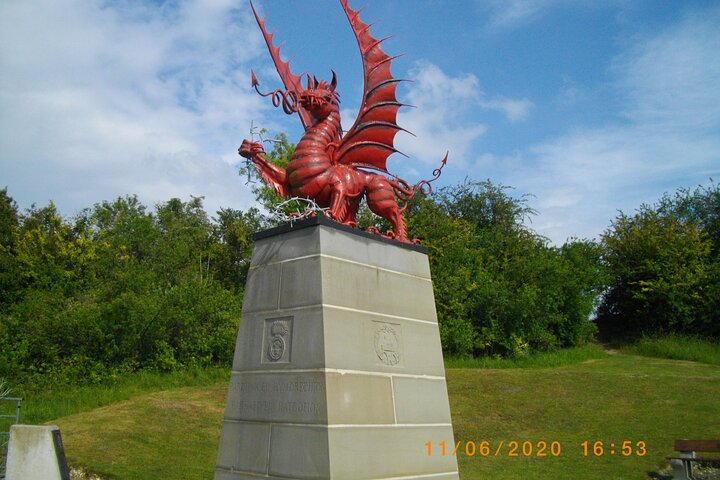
405 192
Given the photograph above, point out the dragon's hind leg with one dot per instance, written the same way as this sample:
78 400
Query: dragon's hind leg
352 210
381 200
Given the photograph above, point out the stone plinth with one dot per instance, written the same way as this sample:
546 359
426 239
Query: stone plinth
36 452
338 371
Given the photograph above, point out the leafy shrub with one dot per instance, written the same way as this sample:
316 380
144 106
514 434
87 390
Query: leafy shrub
119 289
665 268
500 289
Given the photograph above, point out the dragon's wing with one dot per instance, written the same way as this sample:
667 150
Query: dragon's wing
370 140
291 81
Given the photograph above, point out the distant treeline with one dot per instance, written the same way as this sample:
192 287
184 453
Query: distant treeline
502 290
121 288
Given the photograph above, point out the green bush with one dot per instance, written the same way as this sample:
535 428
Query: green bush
665 268
119 289
500 289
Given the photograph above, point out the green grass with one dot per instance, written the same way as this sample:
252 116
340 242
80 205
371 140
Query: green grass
677 347
614 399
41 404
173 433
556 358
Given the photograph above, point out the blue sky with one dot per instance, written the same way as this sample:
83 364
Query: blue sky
591 107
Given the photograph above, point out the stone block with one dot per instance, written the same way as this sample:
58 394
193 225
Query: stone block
363 453
244 446
292 397
301 283
222 474
420 400
299 451
35 452
339 244
362 287
262 291
280 340
289 246
359 399
359 341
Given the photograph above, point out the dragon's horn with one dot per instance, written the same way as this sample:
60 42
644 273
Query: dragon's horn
333 83
309 82
315 82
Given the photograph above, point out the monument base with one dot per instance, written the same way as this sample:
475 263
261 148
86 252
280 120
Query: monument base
35 452
338 370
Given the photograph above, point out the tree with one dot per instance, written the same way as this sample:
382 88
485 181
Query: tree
499 288
8 218
700 206
664 266
121 288
231 251
9 268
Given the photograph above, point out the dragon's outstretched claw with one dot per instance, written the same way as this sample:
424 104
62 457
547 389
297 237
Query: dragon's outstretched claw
249 149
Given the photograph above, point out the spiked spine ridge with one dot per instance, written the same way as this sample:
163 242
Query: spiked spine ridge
370 141
290 80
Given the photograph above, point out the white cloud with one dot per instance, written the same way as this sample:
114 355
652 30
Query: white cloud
515 110
510 13
671 140
104 99
445 117
672 79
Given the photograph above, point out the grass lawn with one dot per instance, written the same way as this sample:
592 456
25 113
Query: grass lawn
171 434
613 398
678 347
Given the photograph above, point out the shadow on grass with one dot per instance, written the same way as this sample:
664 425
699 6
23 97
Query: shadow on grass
659 476
700 472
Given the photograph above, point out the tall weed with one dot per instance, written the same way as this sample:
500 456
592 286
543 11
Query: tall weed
557 358
677 347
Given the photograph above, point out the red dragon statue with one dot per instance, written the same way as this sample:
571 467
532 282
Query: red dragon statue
331 168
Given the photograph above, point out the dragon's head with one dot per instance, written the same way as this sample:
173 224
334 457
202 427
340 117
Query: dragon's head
320 97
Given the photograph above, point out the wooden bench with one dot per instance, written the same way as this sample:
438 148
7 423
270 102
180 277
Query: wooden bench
683 465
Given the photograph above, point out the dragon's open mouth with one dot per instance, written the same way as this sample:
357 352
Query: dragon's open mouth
309 101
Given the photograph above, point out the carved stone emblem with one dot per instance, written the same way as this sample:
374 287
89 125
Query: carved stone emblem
387 344
276 348
277 340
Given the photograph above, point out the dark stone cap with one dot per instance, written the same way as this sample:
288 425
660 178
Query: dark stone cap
326 222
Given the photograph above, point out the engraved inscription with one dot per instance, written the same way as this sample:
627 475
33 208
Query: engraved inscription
277 336
281 387
387 343
280 397
255 407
